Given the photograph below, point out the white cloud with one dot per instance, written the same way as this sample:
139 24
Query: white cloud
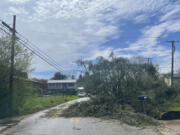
80 27
90 23
141 18
149 39
17 11
102 52
18 1
172 12
149 46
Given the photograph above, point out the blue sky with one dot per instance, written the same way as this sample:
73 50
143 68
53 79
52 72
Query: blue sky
68 30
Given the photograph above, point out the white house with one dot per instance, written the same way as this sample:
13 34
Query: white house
61 86
167 79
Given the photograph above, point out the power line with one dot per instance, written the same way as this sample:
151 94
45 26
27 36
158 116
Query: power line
37 53
43 55
5 31
44 59
24 42
33 49
40 53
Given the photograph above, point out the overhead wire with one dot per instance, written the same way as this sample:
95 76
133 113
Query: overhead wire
40 51
34 51
31 46
39 55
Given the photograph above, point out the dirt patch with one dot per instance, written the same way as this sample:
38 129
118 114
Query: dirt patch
53 113
56 112
171 127
8 123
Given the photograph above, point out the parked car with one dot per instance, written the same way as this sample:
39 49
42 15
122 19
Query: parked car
82 94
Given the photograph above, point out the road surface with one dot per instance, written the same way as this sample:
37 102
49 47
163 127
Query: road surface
40 124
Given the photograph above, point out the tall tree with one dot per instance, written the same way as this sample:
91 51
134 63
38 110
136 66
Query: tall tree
72 77
22 88
59 76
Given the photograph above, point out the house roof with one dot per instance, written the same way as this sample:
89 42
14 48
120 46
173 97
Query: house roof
61 81
169 75
177 75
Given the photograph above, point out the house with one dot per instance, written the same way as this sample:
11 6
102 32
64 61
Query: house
61 86
167 78
39 84
177 76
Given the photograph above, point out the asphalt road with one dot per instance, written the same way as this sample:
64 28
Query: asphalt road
39 124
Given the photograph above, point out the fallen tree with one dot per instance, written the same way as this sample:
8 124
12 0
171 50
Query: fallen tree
114 85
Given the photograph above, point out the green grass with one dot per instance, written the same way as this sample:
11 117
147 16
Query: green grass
175 105
35 104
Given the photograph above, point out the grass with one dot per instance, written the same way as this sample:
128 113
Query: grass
175 105
35 104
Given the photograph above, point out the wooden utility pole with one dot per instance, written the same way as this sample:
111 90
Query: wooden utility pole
172 61
11 76
12 61
149 60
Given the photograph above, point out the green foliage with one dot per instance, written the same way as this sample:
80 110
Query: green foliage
174 105
22 88
35 103
23 91
58 76
121 81
94 108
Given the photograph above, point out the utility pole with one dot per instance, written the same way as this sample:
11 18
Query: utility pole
12 61
172 63
11 79
149 60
